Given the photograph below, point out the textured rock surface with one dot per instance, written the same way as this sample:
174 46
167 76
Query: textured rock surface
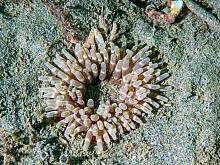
184 132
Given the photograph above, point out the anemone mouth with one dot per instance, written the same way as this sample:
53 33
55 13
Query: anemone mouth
93 91
100 91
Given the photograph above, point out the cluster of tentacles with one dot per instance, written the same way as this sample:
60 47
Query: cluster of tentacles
137 78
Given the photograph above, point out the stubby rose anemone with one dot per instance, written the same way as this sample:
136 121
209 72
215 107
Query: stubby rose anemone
136 77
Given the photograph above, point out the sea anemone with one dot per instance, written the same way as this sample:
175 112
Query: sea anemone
133 82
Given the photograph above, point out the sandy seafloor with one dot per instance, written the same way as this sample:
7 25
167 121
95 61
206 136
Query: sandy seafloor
184 132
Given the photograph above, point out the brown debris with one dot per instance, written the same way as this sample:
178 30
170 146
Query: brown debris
64 20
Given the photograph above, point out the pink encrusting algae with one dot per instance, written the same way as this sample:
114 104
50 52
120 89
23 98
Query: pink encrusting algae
169 13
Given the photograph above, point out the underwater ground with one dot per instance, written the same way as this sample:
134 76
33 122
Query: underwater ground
186 131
